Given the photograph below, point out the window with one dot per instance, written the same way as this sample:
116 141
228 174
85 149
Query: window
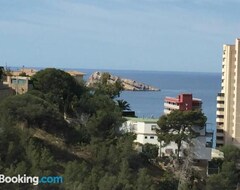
14 81
151 137
153 127
18 81
21 81
145 137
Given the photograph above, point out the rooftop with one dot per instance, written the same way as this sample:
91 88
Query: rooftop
180 98
145 120
28 72
75 73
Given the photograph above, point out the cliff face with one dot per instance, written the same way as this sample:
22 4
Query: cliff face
128 84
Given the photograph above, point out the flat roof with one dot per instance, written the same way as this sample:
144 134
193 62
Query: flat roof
139 119
75 73
27 71
197 99
177 99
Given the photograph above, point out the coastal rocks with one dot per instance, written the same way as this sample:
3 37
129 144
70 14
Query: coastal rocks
127 84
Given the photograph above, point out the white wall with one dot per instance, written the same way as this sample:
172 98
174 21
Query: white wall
145 133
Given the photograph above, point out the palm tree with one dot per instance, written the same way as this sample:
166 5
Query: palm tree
123 104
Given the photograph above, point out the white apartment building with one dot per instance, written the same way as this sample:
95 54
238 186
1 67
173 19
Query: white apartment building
144 128
228 100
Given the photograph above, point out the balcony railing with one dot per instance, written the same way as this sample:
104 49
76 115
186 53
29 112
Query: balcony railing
171 106
221 94
219 120
219 134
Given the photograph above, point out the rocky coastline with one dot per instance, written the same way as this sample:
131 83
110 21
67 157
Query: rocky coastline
128 84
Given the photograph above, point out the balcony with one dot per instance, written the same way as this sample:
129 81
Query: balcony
171 106
220 112
219 120
220 98
219 134
223 70
221 94
220 105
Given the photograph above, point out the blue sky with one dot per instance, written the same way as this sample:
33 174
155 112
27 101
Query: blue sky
164 35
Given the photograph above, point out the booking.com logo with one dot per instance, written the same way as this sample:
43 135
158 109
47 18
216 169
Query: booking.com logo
29 179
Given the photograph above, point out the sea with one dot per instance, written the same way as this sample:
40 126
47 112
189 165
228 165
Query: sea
150 104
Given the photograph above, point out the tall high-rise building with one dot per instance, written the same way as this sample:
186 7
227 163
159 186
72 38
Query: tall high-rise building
228 100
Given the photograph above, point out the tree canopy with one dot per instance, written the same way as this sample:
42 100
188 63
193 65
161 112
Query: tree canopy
104 87
150 150
32 112
229 174
59 87
178 126
123 104
1 72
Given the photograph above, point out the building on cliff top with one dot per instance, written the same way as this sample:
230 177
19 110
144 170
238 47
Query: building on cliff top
20 80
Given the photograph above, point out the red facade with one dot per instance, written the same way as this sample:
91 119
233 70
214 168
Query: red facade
185 102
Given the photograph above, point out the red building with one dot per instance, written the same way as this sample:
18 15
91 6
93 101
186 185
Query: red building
181 102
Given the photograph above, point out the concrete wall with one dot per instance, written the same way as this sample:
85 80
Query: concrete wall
19 84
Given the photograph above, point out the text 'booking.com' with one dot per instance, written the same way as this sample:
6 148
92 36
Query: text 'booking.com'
35 180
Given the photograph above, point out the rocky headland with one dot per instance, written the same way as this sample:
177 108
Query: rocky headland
127 84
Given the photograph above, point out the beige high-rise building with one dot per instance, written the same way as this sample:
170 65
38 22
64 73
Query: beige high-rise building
228 100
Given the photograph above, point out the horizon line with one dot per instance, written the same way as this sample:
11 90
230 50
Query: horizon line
109 69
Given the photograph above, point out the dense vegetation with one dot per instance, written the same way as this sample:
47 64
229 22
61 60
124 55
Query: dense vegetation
63 128
229 170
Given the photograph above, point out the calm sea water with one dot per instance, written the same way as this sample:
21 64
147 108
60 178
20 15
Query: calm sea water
204 86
